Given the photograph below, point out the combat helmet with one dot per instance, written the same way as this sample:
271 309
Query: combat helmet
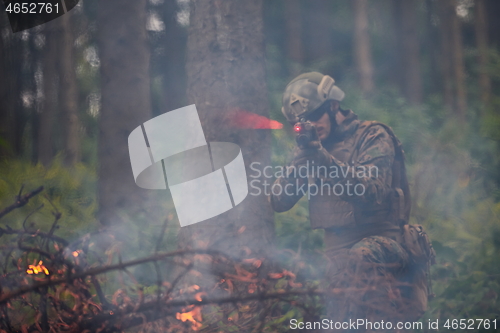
307 92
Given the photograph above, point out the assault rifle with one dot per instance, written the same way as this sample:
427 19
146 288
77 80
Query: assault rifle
306 132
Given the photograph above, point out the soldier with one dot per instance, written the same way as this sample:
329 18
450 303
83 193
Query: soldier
357 186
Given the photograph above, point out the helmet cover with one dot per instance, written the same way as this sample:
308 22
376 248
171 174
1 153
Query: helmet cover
307 92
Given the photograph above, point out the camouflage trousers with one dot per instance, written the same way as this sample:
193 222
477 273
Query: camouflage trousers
366 283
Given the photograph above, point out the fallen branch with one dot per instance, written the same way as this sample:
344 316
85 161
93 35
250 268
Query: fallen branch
100 270
112 316
38 233
21 201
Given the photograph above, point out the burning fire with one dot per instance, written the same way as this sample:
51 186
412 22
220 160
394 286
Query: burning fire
193 316
35 269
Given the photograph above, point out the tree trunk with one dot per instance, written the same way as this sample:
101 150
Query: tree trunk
125 84
362 49
481 28
492 10
226 71
452 60
409 50
10 68
4 111
432 37
458 63
49 105
294 46
319 31
174 61
445 54
5 114
69 93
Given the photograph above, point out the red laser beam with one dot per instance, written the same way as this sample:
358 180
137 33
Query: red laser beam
244 119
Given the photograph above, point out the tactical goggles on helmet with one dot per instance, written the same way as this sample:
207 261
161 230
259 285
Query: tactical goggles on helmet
315 115
318 113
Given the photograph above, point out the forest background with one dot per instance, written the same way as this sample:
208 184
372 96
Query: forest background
72 90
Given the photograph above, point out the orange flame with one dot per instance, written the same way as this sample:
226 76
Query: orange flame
193 316
197 296
35 269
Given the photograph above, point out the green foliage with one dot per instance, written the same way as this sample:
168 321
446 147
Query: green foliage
72 191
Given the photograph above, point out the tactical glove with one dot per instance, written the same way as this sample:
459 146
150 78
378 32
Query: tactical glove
312 157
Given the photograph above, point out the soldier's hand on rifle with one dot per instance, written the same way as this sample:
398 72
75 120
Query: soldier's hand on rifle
315 154
309 146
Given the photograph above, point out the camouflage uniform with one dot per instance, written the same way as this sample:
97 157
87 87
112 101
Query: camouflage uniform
360 235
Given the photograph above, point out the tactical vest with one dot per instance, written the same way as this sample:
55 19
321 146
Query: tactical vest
332 211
